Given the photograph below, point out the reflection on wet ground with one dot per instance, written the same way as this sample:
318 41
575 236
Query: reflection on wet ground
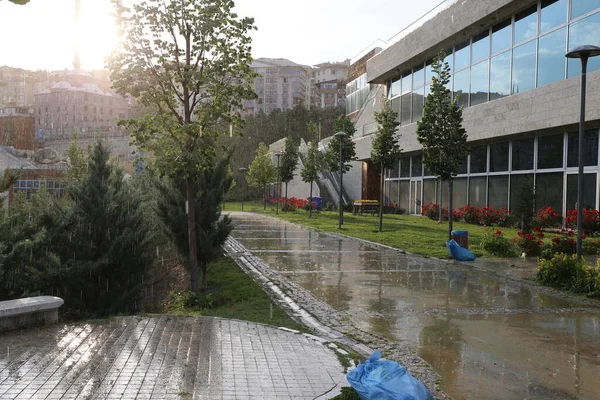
489 338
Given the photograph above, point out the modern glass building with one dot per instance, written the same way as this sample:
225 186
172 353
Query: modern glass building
520 97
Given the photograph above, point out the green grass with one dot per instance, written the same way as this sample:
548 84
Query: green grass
414 234
234 294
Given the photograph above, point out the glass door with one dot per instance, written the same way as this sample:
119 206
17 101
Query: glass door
416 196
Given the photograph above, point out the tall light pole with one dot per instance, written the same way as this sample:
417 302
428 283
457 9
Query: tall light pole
243 171
341 205
583 53
278 155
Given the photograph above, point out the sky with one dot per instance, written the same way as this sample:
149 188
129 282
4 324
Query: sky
39 35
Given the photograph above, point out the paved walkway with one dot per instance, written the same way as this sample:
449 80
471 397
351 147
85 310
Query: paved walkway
165 357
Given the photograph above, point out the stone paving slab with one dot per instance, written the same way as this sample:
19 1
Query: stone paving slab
165 357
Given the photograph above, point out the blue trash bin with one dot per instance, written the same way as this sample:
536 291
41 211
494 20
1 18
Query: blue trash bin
318 202
461 237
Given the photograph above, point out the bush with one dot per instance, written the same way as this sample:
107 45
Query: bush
489 216
469 214
530 244
496 244
567 271
591 220
393 208
546 217
431 211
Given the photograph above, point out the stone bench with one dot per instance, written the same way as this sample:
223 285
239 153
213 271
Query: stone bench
29 311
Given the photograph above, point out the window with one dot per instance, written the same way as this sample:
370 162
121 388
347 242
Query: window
479 83
590 154
523 70
461 87
550 152
459 193
417 166
418 78
405 167
501 36
518 184
405 108
478 159
499 157
589 191
584 32
428 72
417 104
481 46
580 7
406 83
462 55
478 191
498 191
395 88
526 24
522 154
549 190
554 13
500 76
551 57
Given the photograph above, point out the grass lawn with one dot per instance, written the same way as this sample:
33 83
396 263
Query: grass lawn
414 234
234 294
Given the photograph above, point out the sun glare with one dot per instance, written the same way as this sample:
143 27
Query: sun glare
96 33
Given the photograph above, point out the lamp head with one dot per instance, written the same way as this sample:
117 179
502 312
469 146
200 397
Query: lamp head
340 134
585 51
243 169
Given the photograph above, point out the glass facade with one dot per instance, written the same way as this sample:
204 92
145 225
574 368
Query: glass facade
516 55
496 170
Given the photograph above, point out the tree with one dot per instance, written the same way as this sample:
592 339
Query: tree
77 161
261 171
19 2
310 172
524 203
386 151
332 155
190 62
289 162
440 131
213 229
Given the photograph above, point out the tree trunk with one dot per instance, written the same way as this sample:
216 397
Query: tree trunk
265 197
203 270
381 199
193 256
450 187
310 202
440 214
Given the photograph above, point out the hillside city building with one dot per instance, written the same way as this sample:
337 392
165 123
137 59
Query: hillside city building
520 97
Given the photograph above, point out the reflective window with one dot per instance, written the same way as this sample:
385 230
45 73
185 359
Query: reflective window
463 167
395 88
450 59
417 104
498 191
526 24
480 48
479 83
589 191
500 76
396 107
590 146
501 36
427 92
404 194
393 192
417 166
522 154
395 171
584 32
478 191
462 56
406 83
405 107
523 69
479 159
418 78
459 193
405 167
550 151
499 157
428 72
580 7
461 87
429 186
551 57
554 13
549 191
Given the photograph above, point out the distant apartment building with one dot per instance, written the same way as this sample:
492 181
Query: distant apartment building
281 85
328 85
77 101
17 86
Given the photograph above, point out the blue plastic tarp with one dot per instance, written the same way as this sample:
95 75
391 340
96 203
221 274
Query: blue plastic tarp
386 380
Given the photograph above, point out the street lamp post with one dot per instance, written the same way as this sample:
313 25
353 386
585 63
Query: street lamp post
243 171
341 205
583 53
278 155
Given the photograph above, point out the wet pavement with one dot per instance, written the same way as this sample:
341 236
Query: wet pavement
488 333
165 357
